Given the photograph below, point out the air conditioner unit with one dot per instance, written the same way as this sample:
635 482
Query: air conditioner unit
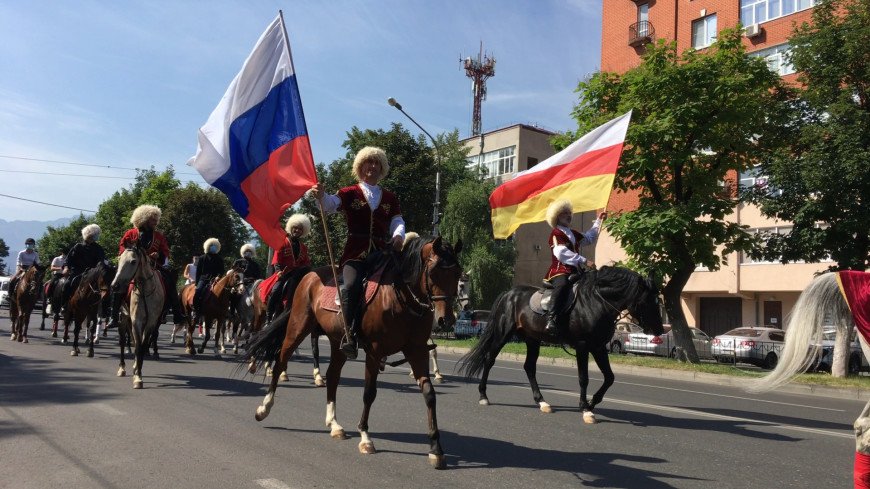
752 30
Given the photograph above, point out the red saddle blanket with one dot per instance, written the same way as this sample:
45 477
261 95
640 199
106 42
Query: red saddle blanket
328 299
267 285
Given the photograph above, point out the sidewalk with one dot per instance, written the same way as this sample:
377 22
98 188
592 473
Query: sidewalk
856 394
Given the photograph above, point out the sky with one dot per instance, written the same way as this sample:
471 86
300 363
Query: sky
127 84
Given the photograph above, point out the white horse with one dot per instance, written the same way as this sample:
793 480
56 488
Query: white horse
141 316
242 313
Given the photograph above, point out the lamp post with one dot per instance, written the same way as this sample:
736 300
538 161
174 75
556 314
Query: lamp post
435 212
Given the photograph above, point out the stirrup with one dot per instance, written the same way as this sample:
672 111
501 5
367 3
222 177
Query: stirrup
349 347
551 327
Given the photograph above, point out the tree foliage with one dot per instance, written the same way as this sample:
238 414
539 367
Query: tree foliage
59 240
821 183
4 252
698 119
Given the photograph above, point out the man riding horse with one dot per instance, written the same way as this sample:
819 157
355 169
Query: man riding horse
374 223
565 246
210 266
145 219
26 259
291 261
247 266
83 256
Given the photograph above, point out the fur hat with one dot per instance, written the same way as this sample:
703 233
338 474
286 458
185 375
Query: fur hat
557 208
246 247
370 153
209 242
90 231
143 213
299 220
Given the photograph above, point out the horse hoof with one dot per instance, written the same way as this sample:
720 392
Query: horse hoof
156 356
189 351
105 333
54 334
235 351
21 338
268 372
284 377
42 327
437 461
252 369
96 341
545 408
483 402
223 350
64 341
589 417
122 372
137 384
201 350
172 341
90 353
366 448
318 381
13 338
439 378
26 340
73 353
338 435
261 413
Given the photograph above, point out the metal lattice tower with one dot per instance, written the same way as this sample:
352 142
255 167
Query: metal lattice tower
479 70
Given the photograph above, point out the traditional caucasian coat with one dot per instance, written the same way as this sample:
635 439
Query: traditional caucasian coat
158 244
284 256
367 229
558 237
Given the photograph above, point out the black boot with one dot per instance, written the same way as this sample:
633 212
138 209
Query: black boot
552 323
117 299
349 304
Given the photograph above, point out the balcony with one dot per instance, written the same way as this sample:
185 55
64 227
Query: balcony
640 33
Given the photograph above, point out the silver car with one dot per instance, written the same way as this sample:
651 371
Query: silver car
621 336
857 361
758 346
665 345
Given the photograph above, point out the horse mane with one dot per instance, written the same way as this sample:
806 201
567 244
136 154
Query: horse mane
410 262
90 276
606 278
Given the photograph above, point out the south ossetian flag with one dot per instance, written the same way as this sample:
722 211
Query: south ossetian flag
582 173
254 147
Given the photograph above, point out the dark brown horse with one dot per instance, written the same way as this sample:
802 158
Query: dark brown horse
23 300
84 304
399 318
215 309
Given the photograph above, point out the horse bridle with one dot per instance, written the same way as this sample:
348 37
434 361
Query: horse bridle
432 298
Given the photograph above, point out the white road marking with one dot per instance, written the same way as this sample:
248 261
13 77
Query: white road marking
271 484
753 399
702 414
107 409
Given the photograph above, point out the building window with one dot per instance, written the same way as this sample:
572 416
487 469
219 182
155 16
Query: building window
495 163
746 259
752 178
758 11
776 58
704 32
643 12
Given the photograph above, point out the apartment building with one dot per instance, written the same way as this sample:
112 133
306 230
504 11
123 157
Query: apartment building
743 292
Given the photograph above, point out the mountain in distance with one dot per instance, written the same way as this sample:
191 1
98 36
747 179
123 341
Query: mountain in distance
15 232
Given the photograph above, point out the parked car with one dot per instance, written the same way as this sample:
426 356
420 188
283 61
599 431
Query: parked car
4 291
665 345
758 346
857 360
621 336
465 328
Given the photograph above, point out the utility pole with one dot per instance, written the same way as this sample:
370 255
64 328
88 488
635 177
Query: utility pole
479 70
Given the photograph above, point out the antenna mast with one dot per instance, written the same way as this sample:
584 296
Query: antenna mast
479 70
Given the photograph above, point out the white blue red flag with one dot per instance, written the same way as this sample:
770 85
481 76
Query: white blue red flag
254 147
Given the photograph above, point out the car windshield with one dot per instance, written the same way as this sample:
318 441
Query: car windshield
4 285
747 332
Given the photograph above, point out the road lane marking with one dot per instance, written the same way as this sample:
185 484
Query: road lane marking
271 484
702 414
658 387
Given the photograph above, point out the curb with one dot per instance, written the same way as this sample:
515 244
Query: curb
856 394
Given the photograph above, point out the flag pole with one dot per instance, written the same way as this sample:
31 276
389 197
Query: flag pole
319 204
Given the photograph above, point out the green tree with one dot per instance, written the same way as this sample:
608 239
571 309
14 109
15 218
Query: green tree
4 252
58 240
823 177
699 117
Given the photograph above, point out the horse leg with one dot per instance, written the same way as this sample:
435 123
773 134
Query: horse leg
370 392
97 322
419 361
207 321
292 339
22 336
434 354
315 354
189 347
66 321
221 335
603 362
122 342
333 374
533 349
76 331
44 314
92 328
153 343
583 375
490 362
142 342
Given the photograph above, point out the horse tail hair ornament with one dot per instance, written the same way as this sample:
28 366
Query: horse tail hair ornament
492 338
267 346
804 330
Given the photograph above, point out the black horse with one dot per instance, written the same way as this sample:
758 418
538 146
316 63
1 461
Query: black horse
601 296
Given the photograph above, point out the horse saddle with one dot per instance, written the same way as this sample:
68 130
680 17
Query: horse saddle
329 298
540 300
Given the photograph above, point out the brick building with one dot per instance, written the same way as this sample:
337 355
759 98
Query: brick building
743 292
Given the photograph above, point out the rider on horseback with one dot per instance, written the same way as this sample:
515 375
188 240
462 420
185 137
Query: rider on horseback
566 260
83 256
57 265
246 264
145 219
210 266
374 223
291 261
26 259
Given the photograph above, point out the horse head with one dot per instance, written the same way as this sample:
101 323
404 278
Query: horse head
30 281
441 275
646 306
129 264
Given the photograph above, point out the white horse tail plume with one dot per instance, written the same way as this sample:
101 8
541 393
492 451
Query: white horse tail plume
821 299
409 236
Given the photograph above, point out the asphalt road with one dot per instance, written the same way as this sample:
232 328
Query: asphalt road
70 422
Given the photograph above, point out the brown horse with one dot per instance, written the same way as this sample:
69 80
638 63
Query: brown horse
84 304
215 308
399 318
23 299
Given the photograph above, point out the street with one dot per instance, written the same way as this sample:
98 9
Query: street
70 421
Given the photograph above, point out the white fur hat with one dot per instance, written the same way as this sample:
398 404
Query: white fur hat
245 247
370 153
557 208
143 213
299 220
209 242
90 231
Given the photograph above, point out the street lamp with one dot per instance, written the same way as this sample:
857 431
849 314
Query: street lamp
437 204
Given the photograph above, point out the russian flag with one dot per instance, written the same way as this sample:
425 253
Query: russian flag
254 147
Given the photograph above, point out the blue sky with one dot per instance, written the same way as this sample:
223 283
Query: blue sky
127 84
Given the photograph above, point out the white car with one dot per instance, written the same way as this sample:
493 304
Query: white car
4 291
758 346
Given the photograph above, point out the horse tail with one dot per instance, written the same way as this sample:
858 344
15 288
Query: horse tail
489 343
804 330
266 347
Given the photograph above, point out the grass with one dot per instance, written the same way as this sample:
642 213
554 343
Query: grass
739 370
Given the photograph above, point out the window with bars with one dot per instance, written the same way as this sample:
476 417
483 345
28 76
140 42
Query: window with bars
776 58
758 11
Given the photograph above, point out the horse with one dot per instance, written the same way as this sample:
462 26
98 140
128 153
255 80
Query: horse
84 304
52 303
600 298
22 301
823 300
139 318
215 308
241 315
398 319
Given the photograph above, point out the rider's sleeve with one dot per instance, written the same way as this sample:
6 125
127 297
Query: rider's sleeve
568 257
590 236
330 203
164 247
397 227
20 259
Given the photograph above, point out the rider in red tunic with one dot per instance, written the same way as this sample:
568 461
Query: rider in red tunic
291 261
374 223
565 245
